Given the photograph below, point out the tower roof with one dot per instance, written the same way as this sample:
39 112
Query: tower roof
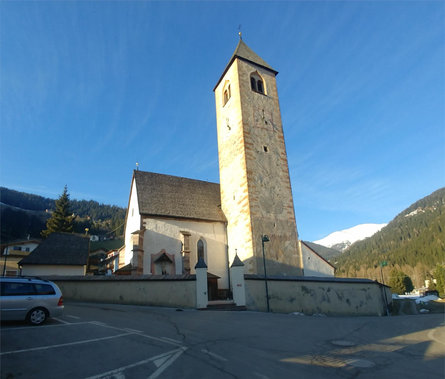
245 53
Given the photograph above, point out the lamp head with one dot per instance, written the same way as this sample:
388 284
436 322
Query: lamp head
265 238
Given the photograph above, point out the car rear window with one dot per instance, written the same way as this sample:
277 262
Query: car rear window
44 289
17 289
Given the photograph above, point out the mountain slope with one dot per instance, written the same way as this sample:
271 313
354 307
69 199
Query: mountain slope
413 241
342 239
24 214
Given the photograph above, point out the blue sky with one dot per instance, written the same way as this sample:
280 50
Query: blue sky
90 88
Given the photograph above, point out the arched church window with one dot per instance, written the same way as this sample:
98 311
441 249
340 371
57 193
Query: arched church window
227 93
260 86
201 253
253 83
256 83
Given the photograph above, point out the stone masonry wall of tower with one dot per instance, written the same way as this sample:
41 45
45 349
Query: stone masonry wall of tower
256 193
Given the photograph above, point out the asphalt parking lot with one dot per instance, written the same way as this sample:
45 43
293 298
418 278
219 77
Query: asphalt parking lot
117 341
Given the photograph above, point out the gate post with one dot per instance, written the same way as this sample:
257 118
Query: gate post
237 279
201 284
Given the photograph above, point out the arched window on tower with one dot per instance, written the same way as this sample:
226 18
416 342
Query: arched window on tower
253 83
256 83
226 93
201 250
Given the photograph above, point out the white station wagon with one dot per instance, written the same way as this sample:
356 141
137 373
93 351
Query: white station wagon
30 299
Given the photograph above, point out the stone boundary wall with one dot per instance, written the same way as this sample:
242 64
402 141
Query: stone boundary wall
311 295
170 291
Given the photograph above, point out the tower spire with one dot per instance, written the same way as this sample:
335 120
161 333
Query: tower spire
239 32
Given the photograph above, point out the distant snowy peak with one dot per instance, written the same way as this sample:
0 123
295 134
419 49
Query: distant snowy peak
344 238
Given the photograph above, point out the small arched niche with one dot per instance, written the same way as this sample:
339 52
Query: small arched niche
201 250
226 92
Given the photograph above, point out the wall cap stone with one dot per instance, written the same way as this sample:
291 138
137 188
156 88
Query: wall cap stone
121 278
313 279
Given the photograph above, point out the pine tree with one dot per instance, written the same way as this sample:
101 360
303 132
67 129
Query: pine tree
439 275
400 282
61 220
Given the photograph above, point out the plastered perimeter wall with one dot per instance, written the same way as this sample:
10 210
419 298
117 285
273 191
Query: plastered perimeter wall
333 298
165 293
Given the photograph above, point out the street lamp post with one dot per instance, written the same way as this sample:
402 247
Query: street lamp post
383 264
265 238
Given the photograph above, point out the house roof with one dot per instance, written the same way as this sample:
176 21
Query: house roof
323 252
173 196
245 53
18 242
60 249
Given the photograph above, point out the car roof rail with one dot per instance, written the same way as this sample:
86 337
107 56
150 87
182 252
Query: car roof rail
29 277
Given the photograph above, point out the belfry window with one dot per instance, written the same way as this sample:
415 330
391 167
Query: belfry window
260 86
226 94
256 83
253 83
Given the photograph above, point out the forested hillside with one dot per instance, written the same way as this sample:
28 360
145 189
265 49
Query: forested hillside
24 213
413 242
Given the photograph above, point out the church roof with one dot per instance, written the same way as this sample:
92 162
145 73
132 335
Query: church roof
173 196
245 53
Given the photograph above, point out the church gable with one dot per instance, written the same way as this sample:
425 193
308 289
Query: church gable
171 196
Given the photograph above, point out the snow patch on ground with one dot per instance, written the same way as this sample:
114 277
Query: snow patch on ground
426 299
418 299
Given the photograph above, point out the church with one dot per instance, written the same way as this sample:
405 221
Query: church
172 222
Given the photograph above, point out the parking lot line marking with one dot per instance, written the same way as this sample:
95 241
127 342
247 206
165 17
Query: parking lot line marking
133 330
161 340
60 320
167 363
64 344
169 355
30 327
99 323
172 340
214 355
74 317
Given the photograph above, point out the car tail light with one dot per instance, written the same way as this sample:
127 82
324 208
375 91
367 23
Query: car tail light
60 303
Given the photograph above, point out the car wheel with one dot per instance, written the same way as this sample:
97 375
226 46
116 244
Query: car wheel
37 316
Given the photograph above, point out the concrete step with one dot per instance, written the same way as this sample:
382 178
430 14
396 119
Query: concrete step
223 305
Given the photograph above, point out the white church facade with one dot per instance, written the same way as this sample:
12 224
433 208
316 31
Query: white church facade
172 222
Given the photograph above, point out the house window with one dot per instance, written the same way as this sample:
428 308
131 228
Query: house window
256 83
201 252
227 94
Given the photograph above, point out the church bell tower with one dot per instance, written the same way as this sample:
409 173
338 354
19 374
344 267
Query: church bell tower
256 193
